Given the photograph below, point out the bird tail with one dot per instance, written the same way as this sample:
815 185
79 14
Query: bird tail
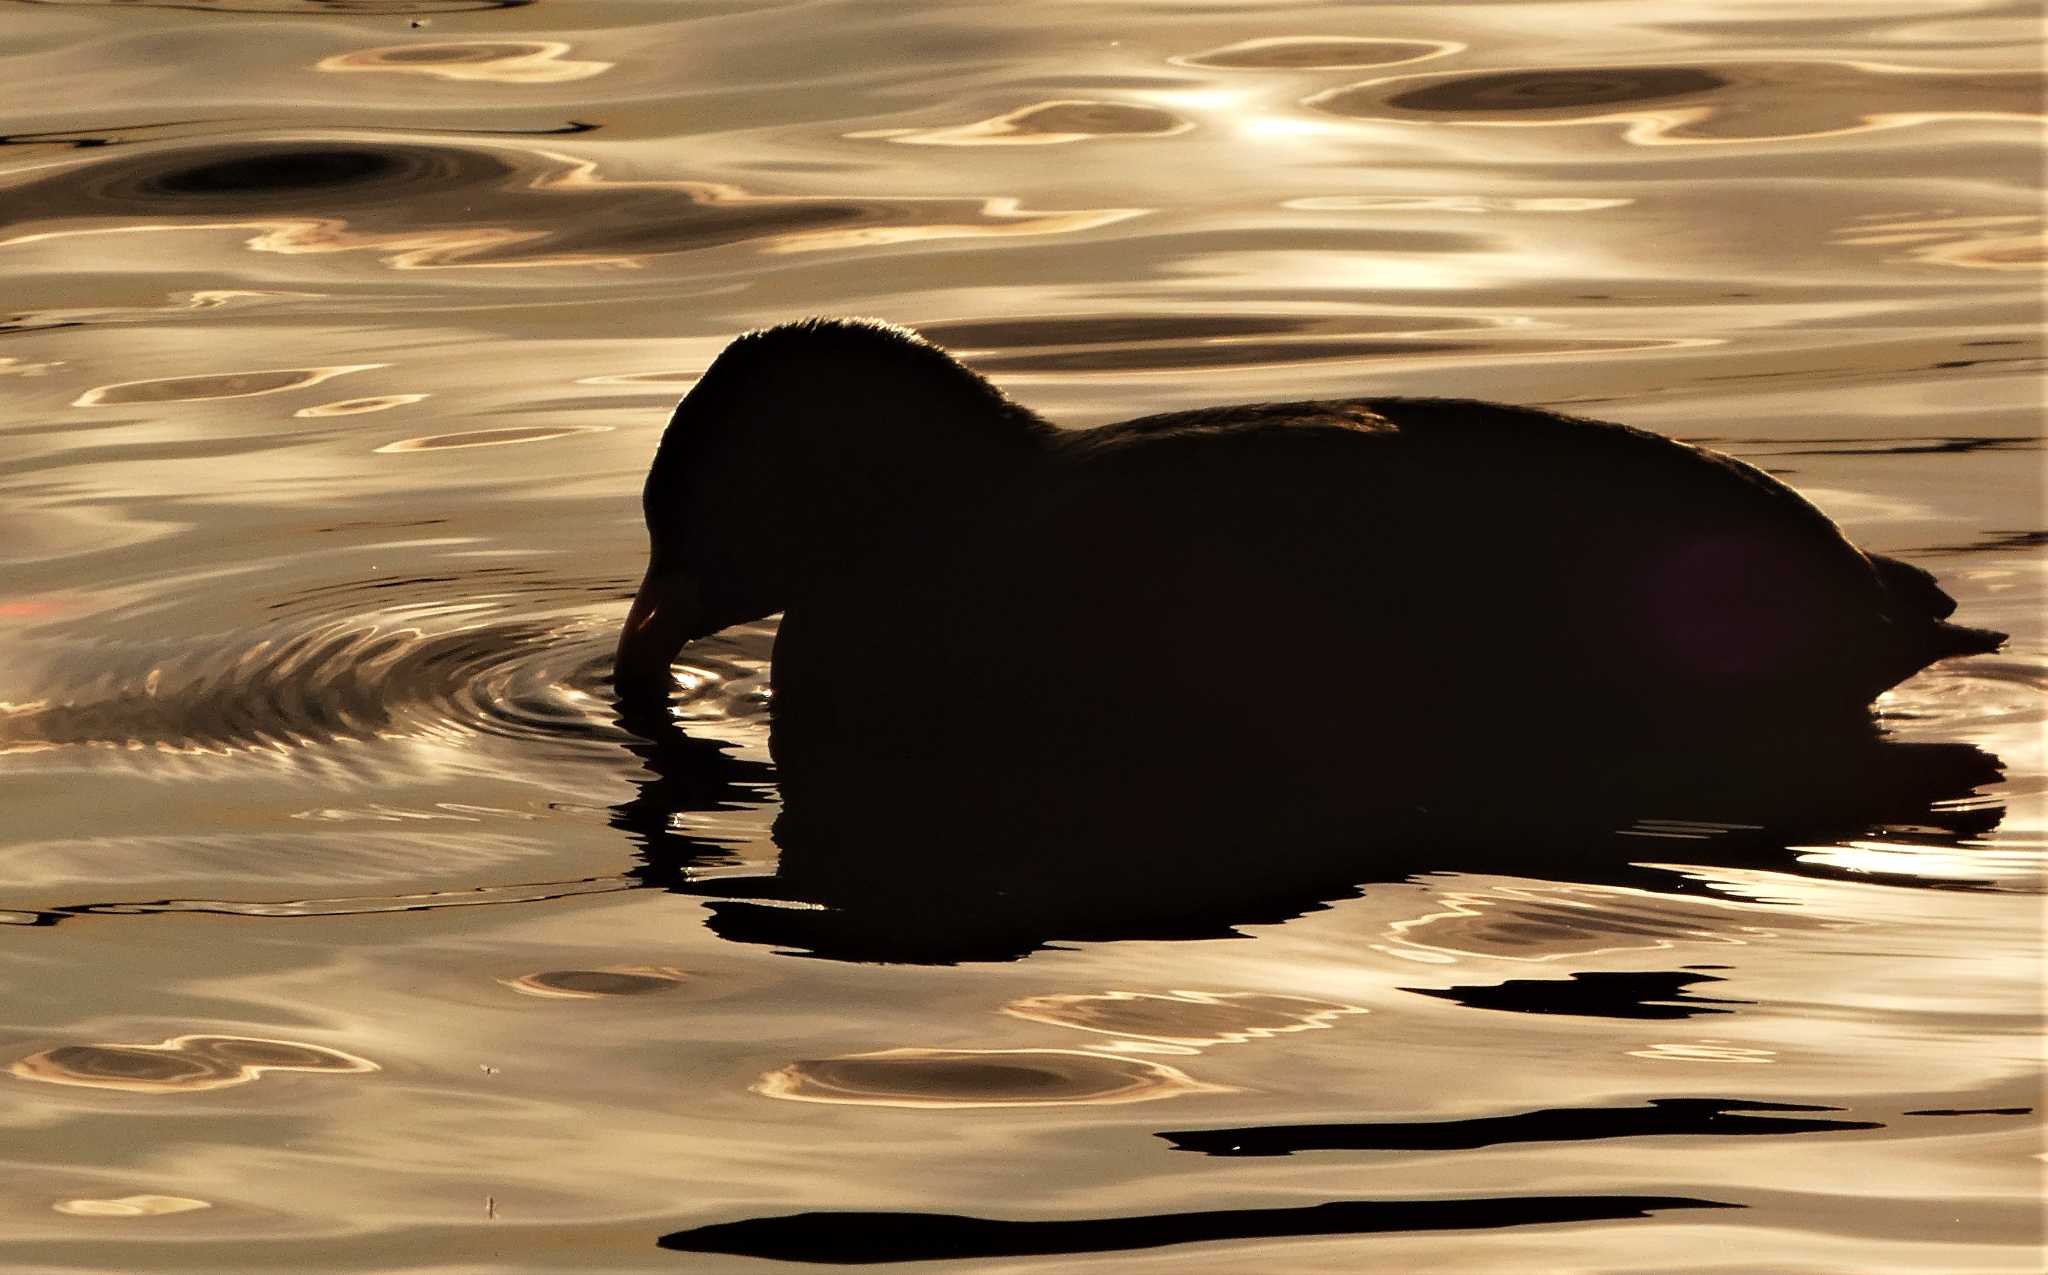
1920 609
1945 639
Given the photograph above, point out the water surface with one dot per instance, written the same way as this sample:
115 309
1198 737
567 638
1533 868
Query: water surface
347 930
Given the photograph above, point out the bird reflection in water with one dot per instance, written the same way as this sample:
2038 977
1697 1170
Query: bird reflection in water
1213 669
963 889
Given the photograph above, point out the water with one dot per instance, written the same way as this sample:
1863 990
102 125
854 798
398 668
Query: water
337 337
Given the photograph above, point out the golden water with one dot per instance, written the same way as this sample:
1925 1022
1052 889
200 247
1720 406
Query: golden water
348 932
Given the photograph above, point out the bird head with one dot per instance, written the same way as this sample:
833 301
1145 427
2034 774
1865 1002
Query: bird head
798 450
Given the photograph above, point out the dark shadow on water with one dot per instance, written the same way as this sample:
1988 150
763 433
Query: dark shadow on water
857 1239
1661 1118
1651 994
930 883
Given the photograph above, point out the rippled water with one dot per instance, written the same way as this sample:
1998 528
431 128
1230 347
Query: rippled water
350 931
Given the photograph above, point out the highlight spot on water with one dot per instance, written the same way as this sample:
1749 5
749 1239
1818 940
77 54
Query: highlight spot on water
641 378
1317 53
1181 1017
490 438
1905 860
596 984
182 1064
358 406
979 1078
1452 203
1006 217
2027 252
232 298
493 61
21 367
131 1206
29 608
1716 1051
195 389
1046 123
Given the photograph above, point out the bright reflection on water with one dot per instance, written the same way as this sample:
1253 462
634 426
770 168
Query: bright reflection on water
333 355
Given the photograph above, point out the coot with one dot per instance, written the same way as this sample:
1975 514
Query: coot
1237 619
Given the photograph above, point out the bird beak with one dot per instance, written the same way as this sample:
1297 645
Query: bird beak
666 613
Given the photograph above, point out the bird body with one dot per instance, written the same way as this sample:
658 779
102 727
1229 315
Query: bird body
1253 617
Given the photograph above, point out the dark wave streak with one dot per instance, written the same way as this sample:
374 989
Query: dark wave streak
1646 994
359 905
1662 1118
850 1239
73 137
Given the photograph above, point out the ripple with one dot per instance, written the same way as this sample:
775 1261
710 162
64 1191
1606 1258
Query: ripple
343 664
493 61
199 389
1726 102
1003 217
1453 203
597 984
2028 252
276 863
1140 343
131 1206
491 437
358 406
363 678
1555 90
1999 241
1046 123
236 178
1170 342
1704 1051
418 206
1317 53
672 377
979 1078
1311 349
1102 329
182 1064
1539 922
1980 697
415 205
1182 1018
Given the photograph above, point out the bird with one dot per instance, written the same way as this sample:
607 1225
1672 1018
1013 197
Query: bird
1237 624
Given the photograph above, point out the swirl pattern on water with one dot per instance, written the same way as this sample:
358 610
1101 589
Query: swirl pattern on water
453 669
